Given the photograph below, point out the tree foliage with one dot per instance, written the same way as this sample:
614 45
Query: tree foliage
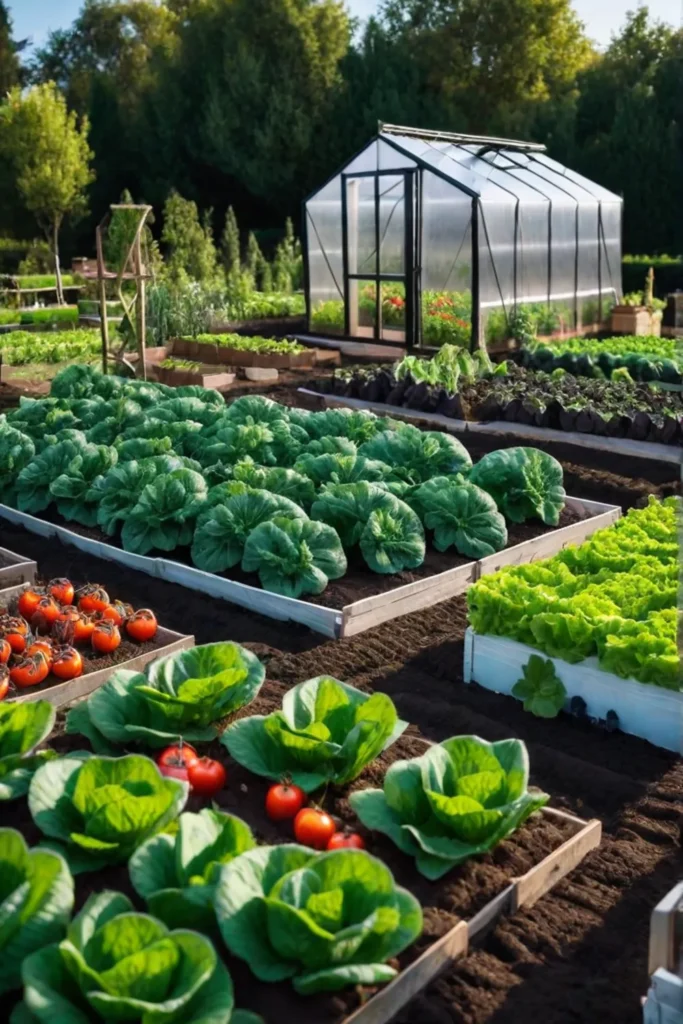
230 102
51 156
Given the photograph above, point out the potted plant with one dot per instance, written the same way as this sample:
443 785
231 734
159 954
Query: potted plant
640 312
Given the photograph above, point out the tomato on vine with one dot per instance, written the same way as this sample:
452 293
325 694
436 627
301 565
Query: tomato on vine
313 827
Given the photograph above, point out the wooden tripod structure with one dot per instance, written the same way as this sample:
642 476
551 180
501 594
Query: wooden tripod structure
131 269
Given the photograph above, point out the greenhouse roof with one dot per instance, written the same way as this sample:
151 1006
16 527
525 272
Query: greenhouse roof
496 170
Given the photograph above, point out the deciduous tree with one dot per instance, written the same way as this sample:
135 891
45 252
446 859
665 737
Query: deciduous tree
51 156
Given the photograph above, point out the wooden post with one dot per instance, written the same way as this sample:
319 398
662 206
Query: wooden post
140 318
102 286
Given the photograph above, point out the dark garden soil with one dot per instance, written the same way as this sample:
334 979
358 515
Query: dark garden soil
579 956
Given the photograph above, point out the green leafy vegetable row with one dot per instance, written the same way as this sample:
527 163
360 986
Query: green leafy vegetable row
22 347
615 596
284 492
626 358
251 344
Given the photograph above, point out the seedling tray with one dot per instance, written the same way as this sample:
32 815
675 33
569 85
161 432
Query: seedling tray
526 433
167 641
14 569
353 618
651 712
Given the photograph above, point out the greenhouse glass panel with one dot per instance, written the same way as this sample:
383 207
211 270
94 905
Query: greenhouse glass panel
428 237
446 279
325 260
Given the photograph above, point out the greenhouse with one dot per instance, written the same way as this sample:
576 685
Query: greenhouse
430 237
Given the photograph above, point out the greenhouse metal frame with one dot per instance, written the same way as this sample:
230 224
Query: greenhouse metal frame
425 237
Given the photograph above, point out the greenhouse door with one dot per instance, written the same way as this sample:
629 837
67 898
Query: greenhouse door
379 255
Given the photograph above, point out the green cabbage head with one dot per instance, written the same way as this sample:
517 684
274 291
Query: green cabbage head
100 809
118 965
22 728
325 920
185 694
525 483
327 731
458 800
177 875
36 900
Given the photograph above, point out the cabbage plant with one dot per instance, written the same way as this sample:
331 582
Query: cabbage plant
99 809
164 514
461 515
325 920
23 727
116 965
185 694
525 483
36 900
16 451
177 874
458 800
326 731
389 533
222 531
294 556
417 455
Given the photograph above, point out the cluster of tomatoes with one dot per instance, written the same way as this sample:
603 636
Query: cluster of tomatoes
312 826
284 801
181 761
51 622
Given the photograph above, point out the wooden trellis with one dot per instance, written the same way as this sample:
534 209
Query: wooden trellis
132 269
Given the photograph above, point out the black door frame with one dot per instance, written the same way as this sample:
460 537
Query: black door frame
409 278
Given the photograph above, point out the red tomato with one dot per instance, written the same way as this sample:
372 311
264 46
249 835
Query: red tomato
4 681
47 611
313 828
346 841
174 761
116 612
106 637
92 598
30 671
206 776
43 645
142 625
84 627
62 590
5 651
28 602
283 801
68 614
15 630
67 663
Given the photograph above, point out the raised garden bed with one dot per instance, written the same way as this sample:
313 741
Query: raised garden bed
525 432
14 571
215 354
204 376
604 408
585 517
458 908
97 668
651 712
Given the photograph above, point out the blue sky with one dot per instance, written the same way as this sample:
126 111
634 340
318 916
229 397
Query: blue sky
35 18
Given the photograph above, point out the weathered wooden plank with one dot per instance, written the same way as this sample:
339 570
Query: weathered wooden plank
17 567
523 891
73 689
372 611
540 879
388 1001
550 543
